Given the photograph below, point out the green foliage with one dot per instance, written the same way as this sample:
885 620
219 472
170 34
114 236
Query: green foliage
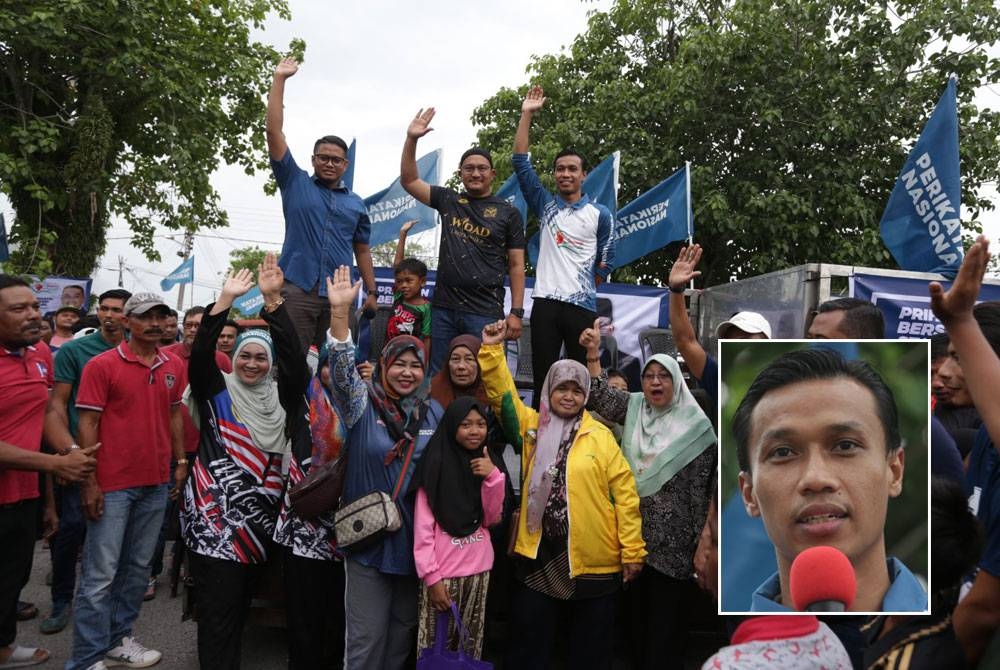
247 257
796 116
125 109
903 365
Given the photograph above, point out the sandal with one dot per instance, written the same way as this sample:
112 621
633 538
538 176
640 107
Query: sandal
23 657
26 611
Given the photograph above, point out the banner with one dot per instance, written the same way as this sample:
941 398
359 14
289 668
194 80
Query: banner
347 179
601 185
4 250
905 303
921 225
391 207
184 274
510 191
250 302
653 220
53 292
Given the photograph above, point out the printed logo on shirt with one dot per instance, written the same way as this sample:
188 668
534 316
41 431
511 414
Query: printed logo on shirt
170 379
478 536
463 201
426 431
43 370
490 213
977 492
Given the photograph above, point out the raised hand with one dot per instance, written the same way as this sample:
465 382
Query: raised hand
237 283
365 370
495 333
482 465
270 278
590 338
405 228
956 303
287 67
683 270
339 290
534 100
420 125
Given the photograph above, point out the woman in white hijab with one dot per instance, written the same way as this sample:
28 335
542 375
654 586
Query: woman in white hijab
245 418
669 444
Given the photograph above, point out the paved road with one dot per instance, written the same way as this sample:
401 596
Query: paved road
159 626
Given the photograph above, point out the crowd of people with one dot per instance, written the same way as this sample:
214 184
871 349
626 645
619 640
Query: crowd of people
607 506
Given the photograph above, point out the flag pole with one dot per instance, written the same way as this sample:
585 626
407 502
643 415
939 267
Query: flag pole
687 183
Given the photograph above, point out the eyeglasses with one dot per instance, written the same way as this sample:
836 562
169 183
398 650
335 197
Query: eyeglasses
327 159
656 376
473 169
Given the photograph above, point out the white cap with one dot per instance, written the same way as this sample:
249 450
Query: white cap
748 322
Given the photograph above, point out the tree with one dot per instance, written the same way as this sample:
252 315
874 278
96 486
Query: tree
796 116
248 257
125 109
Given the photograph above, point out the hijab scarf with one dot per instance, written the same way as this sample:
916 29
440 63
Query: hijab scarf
552 431
402 415
257 405
659 442
444 390
445 473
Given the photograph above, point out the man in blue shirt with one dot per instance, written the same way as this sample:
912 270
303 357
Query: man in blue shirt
974 350
820 455
325 223
576 250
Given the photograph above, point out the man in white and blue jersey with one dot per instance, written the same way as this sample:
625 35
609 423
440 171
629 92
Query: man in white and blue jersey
575 251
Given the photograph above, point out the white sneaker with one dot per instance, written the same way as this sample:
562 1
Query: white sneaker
131 654
98 666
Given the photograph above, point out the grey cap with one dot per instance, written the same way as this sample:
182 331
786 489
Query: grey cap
140 303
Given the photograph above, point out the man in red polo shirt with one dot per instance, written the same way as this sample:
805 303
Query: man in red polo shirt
25 380
129 400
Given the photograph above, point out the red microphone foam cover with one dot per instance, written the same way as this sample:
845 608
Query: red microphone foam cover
821 573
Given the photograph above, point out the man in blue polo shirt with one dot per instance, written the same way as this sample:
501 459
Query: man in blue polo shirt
576 249
820 455
325 223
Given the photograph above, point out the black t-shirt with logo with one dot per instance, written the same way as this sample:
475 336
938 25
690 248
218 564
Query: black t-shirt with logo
476 234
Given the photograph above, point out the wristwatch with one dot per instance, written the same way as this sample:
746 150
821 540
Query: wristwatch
517 311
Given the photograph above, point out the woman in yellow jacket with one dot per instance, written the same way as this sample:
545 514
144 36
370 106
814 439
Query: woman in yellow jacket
579 533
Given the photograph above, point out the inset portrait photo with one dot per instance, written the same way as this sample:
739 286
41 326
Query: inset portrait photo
824 476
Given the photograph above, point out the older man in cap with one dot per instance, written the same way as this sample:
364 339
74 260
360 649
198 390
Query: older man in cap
129 401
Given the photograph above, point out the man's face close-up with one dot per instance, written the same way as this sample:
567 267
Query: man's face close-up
820 472
477 175
72 295
329 163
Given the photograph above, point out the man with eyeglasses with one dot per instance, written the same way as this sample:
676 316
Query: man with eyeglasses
325 223
482 237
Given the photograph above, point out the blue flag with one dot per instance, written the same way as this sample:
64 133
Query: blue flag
921 225
653 220
510 191
347 179
4 250
184 274
250 302
601 185
391 207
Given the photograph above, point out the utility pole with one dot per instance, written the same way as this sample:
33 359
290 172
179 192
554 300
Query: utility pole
184 253
121 272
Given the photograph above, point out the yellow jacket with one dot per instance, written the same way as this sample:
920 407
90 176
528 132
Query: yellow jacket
605 526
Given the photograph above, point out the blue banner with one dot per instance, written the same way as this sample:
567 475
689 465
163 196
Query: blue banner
250 302
4 250
601 185
348 177
653 220
184 274
921 225
905 303
391 207
510 191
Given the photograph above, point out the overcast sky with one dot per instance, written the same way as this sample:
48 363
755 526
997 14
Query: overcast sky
368 68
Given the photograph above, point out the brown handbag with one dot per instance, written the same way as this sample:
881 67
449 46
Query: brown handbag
320 490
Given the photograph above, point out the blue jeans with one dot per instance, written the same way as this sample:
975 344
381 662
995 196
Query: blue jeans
116 558
446 325
65 545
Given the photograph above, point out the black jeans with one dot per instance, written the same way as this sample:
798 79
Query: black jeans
223 590
659 607
18 530
534 618
66 544
314 600
553 324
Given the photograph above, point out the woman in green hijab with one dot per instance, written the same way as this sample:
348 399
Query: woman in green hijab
670 445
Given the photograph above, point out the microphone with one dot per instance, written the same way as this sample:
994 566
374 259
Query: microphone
822 580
